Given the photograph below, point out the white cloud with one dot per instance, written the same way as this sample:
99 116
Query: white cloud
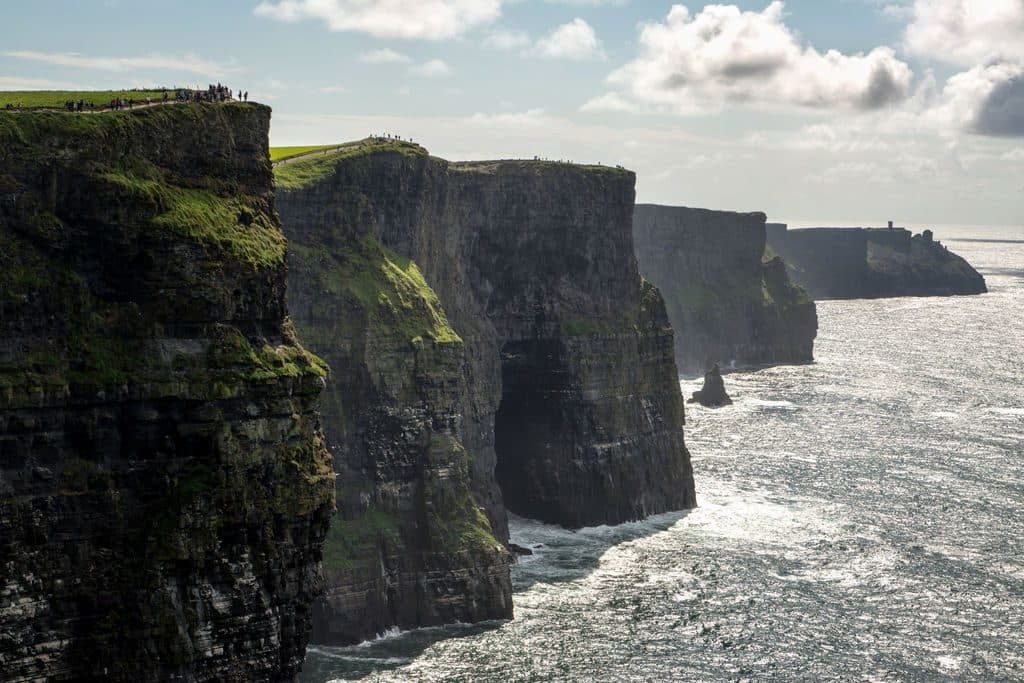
333 89
987 99
435 68
19 83
610 101
504 39
1013 155
530 118
722 55
967 32
425 19
183 63
575 40
384 56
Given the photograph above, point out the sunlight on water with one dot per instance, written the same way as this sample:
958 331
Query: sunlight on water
860 518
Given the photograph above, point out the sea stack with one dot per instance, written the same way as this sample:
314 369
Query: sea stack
712 394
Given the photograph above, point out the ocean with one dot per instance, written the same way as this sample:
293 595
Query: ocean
860 518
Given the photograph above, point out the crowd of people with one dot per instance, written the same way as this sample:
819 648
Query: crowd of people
388 137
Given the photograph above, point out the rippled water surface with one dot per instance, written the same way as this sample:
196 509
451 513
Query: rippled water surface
860 518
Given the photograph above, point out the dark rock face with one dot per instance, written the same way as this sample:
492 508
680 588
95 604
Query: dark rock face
712 394
164 485
726 300
865 263
561 386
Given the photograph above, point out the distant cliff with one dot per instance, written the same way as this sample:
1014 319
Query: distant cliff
164 485
727 301
854 263
501 335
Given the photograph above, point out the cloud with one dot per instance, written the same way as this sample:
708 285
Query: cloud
988 100
610 101
384 56
504 39
19 83
967 32
435 68
530 118
187 63
1002 112
722 55
1013 155
333 89
407 19
575 40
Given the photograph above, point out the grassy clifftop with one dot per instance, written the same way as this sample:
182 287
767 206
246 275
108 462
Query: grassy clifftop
55 99
298 170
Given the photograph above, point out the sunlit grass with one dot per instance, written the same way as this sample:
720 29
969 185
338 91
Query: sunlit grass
282 153
55 99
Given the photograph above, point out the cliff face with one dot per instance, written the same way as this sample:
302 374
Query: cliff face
855 263
164 486
727 303
559 386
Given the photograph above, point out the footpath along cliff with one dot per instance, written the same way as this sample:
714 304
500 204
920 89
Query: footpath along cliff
729 300
164 484
493 346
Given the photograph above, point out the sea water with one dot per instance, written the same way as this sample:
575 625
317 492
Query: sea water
860 518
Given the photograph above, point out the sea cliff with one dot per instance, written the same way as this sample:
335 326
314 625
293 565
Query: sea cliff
538 373
868 263
164 484
729 300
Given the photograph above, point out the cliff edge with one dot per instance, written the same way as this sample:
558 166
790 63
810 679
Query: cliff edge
870 263
164 485
540 376
729 300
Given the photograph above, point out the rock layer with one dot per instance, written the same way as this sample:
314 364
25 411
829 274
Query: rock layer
728 302
164 486
554 358
867 263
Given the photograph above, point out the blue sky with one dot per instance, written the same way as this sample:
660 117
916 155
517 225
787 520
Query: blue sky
916 114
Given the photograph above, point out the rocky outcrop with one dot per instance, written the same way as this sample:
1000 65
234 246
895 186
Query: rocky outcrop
866 263
539 374
164 485
712 394
729 299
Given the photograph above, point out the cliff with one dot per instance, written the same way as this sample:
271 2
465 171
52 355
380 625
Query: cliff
856 263
728 302
540 375
164 485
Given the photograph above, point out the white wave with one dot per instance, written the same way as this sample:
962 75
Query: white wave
772 404
333 654
944 413
1007 411
389 634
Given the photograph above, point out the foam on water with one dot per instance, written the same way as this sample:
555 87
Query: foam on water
860 518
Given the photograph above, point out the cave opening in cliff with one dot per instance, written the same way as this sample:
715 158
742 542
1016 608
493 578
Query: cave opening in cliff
532 430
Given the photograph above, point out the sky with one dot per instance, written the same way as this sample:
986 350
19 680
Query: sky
827 111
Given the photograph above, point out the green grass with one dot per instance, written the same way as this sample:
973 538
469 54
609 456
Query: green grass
233 224
282 153
304 172
55 99
389 288
354 542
